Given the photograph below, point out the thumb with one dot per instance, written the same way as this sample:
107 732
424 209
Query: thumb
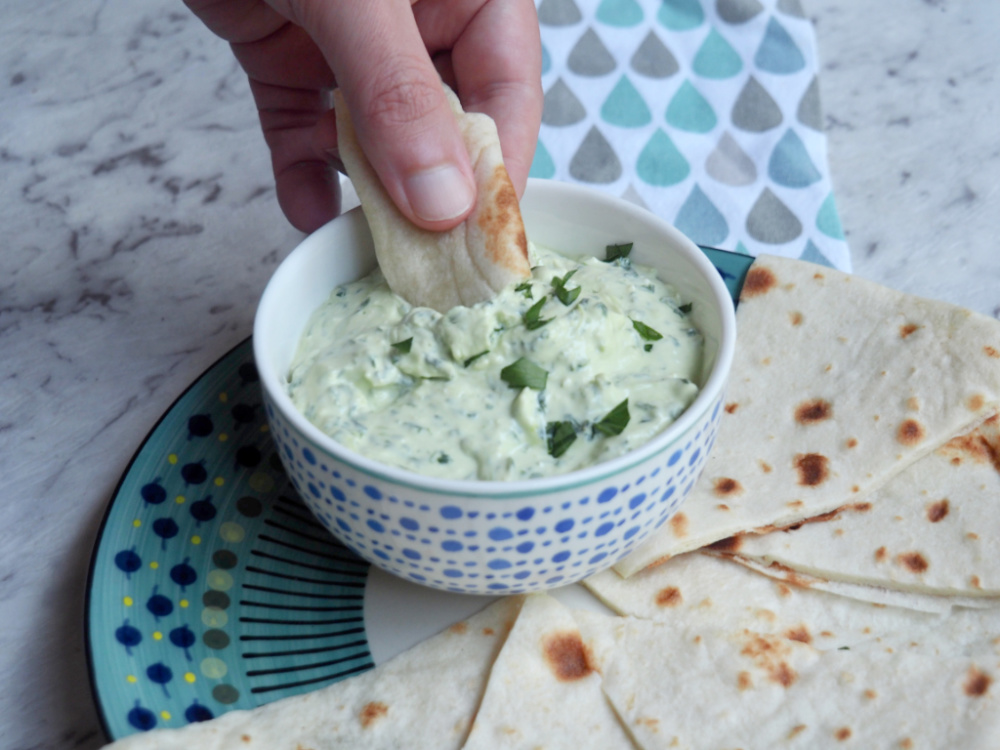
403 120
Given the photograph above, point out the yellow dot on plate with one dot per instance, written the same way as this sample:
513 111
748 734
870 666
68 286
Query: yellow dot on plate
127 601
183 603
223 397
172 458
132 678
154 565
190 676
214 669
196 539
180 499
219 580
137 523
219 481
231 531
223 437
157 636
165 715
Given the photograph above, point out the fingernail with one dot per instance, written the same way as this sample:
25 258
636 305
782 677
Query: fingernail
439 194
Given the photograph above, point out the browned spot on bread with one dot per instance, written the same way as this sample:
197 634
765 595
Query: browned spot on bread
489 631
731 407
991 352
743 681
906 330
913 403
972 535
881 554
812 411
765 467
843 734
937 511
566 656
975 583
725 486
372 712
913 561
796 731
783 590
729 544
669 597
722 506
977 683
459 628
978 446
910 432
852 442
906 743
769 654
501 224
975 403
799 633
679 525
796 318
245 738
795 504
813 468
862 507
871 694
759 280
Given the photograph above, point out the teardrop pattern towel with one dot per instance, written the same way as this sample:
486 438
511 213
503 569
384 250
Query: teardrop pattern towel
707 112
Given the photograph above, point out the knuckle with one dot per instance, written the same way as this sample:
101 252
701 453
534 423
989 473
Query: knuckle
396 97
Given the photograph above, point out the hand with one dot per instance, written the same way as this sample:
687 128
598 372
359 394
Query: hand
388 59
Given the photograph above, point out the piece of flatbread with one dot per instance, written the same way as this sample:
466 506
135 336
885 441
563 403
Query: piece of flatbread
837 385
425 697
465 265
719 685
542 692
929 530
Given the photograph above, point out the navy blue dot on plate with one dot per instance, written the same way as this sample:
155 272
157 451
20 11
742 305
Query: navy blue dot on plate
409 524
525 514
128 561
373 492
200 425
193 473
597 558
499 534
309 456
153 492
380 554
521 575
128 636
337 494
375 525
343 525
197 712
554 579
248 456
141 718
159 605
451 511
183 574
203 510
667 495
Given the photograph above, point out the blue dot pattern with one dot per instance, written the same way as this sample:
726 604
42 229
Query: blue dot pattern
507 544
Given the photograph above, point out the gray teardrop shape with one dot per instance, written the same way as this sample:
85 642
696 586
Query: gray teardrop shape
738 11
791 8
653 59
561 106
810 111
770 221
595 161
632 196
558 13
729 164
755 110
590 57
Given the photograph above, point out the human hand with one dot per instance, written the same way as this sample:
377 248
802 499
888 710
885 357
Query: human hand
388 59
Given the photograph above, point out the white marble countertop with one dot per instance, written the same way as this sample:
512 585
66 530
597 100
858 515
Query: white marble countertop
140 227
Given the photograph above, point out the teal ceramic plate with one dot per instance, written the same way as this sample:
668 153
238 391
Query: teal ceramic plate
211 587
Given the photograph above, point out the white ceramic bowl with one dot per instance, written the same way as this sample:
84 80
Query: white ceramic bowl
493 537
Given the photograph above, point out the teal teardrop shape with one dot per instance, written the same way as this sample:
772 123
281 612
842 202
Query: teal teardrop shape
700 220
625 106
542 164
681 15
660 163
777 52
741 249
790 164
716 58
828 219
813 254
621 13
546 60
690 111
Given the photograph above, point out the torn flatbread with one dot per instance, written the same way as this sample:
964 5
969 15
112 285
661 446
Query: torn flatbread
542 692
838 384
465 265
425 697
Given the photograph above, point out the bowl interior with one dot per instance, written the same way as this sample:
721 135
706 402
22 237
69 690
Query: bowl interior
563 217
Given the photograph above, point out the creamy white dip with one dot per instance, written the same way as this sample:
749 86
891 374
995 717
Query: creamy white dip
461 395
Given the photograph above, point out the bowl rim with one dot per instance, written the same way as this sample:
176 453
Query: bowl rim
271 381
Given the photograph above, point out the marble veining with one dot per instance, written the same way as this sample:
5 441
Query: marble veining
140 226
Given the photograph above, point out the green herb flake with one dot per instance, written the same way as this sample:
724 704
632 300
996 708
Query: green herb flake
564 295
560 437
647 348
647 333
525 288
614 421
443 458
686 308
524 374
403 347
614 252
474 357
533 316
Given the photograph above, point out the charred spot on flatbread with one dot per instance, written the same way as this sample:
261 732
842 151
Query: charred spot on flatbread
500 220
843 734
796 317
937 511
732 407
730 544
799 633
669 597
566 657
759 280
769 654
977 683
744 681
913 561
910 432
991 351
813 469
813 411
726 487
679 525
881 554
372 712
906 330
459 628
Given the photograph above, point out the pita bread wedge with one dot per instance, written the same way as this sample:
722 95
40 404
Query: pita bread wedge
930 530
724 686
542 692
838 384
425 697
465 265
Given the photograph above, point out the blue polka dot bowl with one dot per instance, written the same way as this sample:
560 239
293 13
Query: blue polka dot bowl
490 537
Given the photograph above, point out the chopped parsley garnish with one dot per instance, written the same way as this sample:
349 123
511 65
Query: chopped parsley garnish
560 437
647 348
403 347
533 316
686 308
524 374
474 357
443 458
525 288
564 295
614 252
614 421
647 333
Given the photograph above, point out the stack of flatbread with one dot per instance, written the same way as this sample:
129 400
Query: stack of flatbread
830 582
